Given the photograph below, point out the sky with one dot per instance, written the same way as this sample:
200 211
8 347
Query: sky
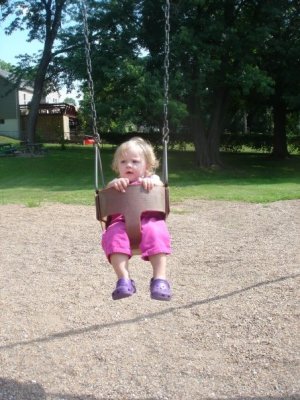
16 44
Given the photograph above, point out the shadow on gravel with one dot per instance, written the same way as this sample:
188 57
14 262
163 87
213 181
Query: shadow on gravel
13 390
287 397
98 327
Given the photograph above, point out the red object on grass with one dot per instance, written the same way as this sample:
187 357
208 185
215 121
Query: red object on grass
88 140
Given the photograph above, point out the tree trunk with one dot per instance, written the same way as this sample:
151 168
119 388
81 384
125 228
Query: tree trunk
207 141
198 131
217 126
245 122
37 96
53 21
200 141
280 149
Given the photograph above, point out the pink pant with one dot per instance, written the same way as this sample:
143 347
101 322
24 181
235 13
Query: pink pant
155 238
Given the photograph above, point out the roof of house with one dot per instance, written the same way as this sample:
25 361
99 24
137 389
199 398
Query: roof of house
4 74
9 77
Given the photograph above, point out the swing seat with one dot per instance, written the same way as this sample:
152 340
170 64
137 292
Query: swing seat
131 204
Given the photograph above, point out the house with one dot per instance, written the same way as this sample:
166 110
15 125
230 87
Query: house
9 107
56 120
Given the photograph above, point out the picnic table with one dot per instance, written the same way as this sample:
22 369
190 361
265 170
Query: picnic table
24 149
8 149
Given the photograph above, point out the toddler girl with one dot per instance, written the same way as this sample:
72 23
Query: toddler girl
134 161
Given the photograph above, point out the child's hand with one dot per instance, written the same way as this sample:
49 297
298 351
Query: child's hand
147 183
120 184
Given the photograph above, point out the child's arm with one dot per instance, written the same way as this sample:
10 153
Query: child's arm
148 182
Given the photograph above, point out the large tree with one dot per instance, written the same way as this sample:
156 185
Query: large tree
215 45
43 21
225 53
281 60
127 93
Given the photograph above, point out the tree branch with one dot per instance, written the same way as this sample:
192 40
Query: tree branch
66 49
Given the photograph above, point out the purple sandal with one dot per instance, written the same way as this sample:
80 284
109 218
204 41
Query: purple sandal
124 288
160 289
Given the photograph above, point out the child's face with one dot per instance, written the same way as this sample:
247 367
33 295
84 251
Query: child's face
132 164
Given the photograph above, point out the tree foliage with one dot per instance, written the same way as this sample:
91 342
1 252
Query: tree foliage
42 19
219 54
281 60
228 58
5 66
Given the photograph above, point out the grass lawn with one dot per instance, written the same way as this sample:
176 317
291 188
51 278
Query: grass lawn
68 177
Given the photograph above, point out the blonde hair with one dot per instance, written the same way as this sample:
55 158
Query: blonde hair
146 151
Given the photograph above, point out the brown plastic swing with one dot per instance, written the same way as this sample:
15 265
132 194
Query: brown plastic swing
136 200
131 204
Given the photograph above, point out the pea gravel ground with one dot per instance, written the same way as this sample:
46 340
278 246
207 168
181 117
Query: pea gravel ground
230 332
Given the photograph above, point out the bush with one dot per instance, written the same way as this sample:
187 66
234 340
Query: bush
256 141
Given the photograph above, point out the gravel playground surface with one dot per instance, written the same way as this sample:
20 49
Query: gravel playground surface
230 332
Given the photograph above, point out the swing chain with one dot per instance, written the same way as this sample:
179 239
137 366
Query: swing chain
87 46
89 72
165 130
166 71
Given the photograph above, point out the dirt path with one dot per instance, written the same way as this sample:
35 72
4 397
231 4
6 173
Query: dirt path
231 331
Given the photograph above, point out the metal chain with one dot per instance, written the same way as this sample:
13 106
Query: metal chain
166 71
165 131
87 46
